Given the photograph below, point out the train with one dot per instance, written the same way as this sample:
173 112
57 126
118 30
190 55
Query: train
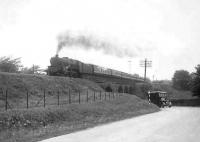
73 68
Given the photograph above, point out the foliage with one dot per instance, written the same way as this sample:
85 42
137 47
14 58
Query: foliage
32 70
7 64
181 80
146 87
195 83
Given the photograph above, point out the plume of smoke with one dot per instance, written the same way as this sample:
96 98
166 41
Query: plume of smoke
87 42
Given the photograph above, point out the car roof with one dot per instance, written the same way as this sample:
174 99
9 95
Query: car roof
157 92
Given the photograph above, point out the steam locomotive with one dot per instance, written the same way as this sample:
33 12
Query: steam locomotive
74 68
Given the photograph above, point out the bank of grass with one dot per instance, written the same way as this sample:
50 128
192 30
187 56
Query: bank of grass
41 123
17 86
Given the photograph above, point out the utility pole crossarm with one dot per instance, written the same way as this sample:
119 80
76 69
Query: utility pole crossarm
145 64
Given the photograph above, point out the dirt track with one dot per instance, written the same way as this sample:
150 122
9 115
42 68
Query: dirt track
177 124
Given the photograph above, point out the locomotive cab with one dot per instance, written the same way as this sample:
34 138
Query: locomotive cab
63 67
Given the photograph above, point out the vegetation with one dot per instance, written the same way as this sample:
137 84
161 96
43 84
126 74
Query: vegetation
173 93
195 83
37 124
7 64
18 85
35 69
181 80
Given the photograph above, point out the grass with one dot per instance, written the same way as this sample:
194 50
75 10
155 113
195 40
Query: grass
41 123
37 122
17 86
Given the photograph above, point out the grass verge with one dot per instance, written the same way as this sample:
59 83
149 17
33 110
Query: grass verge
41 123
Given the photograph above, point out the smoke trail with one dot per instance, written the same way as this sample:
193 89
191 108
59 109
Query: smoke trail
87 42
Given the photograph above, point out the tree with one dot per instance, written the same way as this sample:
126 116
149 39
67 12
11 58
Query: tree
181 80
195 82
145 87
35 69
7 64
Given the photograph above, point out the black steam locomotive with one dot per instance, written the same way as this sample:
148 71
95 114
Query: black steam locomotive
74 68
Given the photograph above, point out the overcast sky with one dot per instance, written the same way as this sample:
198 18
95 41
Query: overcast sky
167 32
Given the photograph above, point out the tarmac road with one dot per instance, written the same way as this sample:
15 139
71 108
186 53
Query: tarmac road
176 124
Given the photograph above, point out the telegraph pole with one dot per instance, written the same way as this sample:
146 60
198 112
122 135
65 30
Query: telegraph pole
145 64
33 69
129 66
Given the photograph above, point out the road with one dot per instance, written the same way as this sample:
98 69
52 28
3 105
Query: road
176 124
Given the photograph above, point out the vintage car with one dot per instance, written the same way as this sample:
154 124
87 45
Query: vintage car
160 98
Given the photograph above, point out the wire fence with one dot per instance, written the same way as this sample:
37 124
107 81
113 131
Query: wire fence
46 98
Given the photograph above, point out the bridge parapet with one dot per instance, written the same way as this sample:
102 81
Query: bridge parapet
112 83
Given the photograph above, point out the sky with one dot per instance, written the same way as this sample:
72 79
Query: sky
164 32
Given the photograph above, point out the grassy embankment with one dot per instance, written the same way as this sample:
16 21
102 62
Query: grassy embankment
18 85
39 123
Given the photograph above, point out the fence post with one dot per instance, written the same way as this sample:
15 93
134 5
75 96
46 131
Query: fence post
27 99
44 97
94 96
6 99
109 95
79 97
2 92
58 98
69 97
105 96
100 95
87 95
113 95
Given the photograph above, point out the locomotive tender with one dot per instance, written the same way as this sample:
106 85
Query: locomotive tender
74 68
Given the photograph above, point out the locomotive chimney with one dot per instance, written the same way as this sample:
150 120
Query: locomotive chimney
56 55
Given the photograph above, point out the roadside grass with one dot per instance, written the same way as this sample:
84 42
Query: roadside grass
41 123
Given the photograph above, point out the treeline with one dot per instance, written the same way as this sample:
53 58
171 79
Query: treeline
14 65
183 80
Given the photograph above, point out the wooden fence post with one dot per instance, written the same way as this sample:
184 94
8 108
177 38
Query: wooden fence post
69 97
6 105
44 97
58 98
94 96
105 96
27 99
79 97
100 95
87 95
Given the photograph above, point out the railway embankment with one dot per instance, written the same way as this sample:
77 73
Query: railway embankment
22 123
